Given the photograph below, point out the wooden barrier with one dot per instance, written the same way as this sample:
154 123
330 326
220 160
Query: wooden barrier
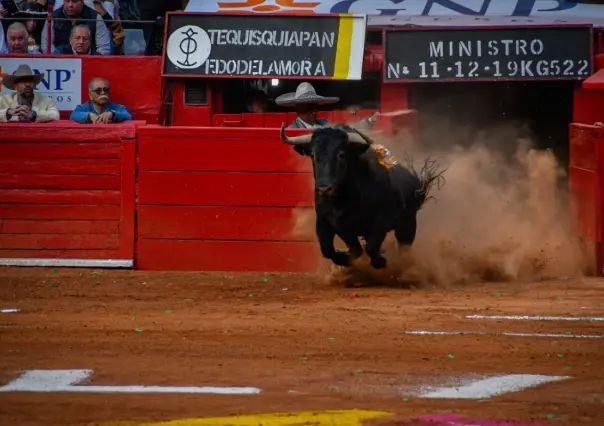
274 119
221 199
67 194
586 182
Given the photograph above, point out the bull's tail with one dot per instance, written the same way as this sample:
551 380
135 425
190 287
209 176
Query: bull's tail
430 174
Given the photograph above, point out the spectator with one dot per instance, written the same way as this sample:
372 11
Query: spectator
74 12
17 40
113 22
2 41
108 5
155 10
99 110
129 13
79 42
34 39
257 101
25 104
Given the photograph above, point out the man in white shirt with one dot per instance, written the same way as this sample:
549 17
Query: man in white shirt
25 105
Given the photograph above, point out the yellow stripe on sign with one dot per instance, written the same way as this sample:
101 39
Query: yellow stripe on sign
315 418
343 46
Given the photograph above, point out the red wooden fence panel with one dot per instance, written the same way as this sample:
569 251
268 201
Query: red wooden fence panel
586 180
274 119
67 194
221 199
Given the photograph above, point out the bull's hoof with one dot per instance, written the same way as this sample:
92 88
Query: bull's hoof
378 262
341 259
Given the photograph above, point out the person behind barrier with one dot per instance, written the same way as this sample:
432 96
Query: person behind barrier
25 104
79 42
306 101
17 40
257 101
99 110
72 13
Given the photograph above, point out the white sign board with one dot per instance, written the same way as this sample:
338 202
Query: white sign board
62 78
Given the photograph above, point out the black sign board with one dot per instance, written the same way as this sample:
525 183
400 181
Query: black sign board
276 46
479 54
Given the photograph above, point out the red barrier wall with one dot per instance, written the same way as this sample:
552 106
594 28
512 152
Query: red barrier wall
221 199
586 183
67 192
274 119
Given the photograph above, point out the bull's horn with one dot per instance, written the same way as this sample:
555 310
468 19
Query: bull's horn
359 137
296 140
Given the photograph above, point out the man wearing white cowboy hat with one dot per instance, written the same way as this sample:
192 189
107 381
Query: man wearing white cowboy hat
306 101
24 104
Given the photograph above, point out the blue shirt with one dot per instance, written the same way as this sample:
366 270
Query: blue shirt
82 112
298 125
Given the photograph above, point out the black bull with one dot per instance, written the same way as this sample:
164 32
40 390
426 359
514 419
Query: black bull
357 194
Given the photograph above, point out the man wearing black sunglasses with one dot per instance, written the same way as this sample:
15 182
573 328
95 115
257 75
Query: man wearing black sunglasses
100 110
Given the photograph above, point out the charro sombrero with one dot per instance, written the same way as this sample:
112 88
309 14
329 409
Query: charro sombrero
305 94
22 72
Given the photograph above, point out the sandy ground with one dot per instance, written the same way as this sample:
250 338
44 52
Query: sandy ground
306 344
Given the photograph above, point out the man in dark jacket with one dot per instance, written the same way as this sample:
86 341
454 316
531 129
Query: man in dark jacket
72 13
155 10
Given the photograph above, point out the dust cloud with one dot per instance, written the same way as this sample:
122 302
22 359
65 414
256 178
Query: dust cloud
503 214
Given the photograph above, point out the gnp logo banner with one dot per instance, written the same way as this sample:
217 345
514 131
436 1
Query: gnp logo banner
278 46
549 9
62 78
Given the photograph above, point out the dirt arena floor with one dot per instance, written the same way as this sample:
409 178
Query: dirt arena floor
306 344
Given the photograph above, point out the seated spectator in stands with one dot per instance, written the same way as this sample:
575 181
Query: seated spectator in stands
79 42
155 10
17 40
72 13
109 11
25 104
99 110
257 101
34 39
2 42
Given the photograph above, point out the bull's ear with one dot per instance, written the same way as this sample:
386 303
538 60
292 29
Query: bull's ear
303 150
357 148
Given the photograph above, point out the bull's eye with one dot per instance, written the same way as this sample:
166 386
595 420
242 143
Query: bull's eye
341 155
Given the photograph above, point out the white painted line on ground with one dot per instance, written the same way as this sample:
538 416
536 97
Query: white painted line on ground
64 381
10 311
493 386
534 318
511 334
69 263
